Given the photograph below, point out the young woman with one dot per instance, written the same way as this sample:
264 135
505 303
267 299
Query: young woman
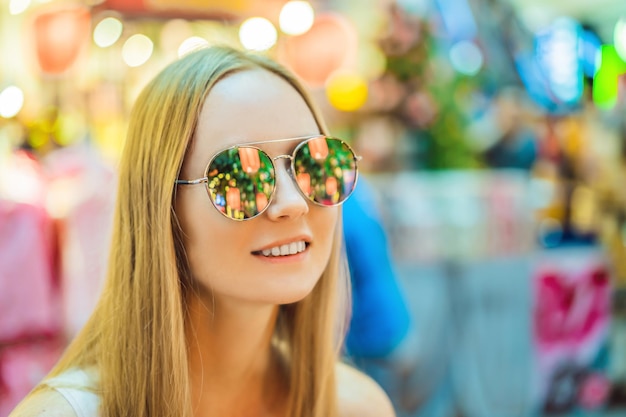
227 284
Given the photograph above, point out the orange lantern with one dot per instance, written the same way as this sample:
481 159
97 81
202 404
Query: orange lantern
250 161
304 182
318 148
331 186
261 201
329 45
224 10
59 37
233 198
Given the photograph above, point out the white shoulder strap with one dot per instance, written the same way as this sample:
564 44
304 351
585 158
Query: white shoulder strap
77 387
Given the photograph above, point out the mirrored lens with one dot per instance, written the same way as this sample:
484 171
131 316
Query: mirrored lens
241 181
325 169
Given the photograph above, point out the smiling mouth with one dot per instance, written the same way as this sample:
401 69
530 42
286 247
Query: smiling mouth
292 248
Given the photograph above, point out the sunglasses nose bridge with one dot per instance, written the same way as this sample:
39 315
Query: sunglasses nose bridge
288 199
288 166
290 157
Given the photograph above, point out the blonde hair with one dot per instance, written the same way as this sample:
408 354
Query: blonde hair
136 335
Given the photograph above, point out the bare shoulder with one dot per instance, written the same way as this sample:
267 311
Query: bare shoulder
44 403
359 395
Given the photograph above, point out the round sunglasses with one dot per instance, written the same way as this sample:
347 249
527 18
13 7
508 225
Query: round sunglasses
241 179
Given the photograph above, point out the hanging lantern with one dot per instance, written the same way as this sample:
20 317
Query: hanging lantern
318 148
304 182
250 161
261 201
331 187
329 45
59 36
233 198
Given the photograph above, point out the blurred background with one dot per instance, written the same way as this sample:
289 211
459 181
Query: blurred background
487 237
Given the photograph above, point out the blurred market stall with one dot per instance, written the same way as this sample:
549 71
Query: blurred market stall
493 132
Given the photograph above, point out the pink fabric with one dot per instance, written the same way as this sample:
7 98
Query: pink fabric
22 367
87 187
571 318
29 298
570 307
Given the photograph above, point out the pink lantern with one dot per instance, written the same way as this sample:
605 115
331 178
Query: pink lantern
329 45
59 36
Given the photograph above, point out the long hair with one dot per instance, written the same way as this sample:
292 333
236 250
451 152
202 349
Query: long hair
136 336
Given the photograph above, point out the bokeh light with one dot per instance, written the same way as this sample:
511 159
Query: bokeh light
371 61
296 17
137 50
107 32
257 34
18 6
11 101
191 44
605 82
557 50
619 38
346 91
466 57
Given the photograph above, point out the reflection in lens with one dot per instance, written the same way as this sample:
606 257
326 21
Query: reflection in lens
304 182
330 180
318 148
240 182
250 160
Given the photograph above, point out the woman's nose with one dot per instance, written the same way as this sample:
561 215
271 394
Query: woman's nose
287 202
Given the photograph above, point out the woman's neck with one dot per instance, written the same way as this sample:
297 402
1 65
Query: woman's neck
233 368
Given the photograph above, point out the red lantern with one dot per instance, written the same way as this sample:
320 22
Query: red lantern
59 37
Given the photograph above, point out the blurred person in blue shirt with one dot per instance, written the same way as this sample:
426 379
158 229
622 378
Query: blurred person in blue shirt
381 320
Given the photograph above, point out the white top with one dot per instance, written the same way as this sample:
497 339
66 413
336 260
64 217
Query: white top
78 386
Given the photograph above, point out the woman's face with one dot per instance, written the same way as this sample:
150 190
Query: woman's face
226 256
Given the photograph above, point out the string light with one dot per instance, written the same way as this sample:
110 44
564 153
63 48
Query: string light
257 34
296 17
137 50
107 32
11 101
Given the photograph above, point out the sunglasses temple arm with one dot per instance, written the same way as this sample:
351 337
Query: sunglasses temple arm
192 182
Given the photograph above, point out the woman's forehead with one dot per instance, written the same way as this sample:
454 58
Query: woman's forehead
253 106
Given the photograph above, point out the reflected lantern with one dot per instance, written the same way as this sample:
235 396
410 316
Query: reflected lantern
261 201
331 187
318 148
304 182
250 161
233 198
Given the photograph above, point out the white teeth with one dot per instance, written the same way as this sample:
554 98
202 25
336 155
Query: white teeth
293 248
287 249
